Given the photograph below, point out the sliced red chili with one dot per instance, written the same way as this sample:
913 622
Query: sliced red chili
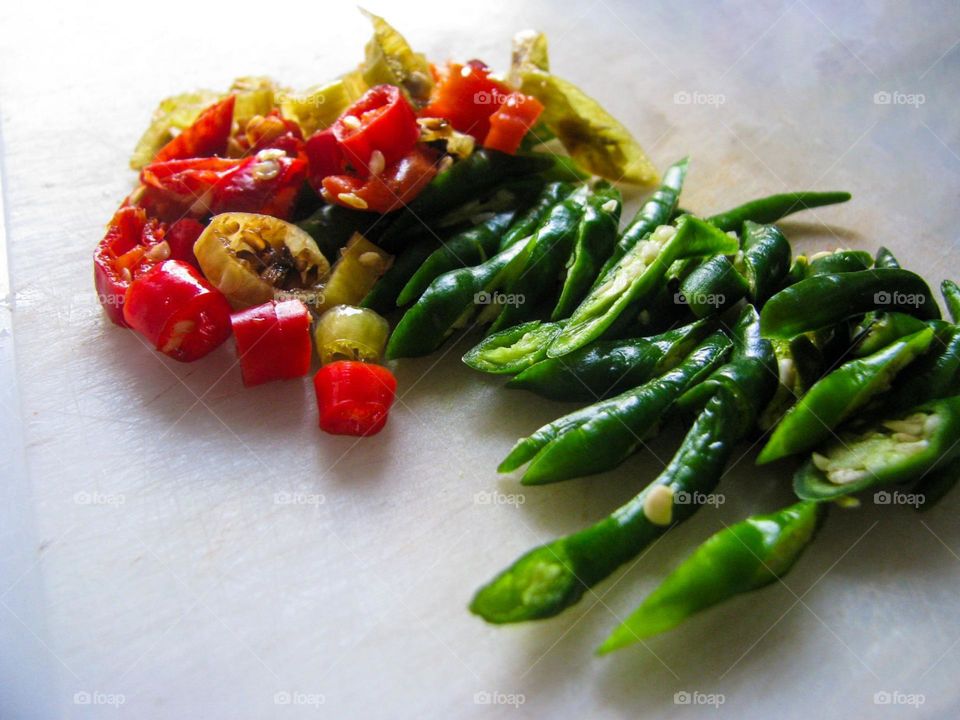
181 237
381 119
393 188
126 251
179 312
511 122
207 136
273 341
466 96
265 183
354 398
268 131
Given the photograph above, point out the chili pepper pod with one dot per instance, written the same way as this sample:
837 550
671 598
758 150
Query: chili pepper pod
464 249
461 182
898 448
601 436
512 350
837 395
800 363
825 300
768 210
933 376
656 211
951 296
712 287
596 236
553 577
880 329
350 333
549 248
354 398
634 280
360 265
746 556
765 260
177 310
885 259
609 367
838 261
273 341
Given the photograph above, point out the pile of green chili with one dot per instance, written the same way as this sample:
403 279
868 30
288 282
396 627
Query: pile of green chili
840 359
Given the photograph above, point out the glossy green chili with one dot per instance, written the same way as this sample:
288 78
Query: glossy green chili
601 436
880 329
933 376
885 259
839 261
799 364
633 282
740 558
609 367
951 296
837 395
898 448
766 260
470 247
658 210
552 577
825 300
712 287
595 240
770 209
513 350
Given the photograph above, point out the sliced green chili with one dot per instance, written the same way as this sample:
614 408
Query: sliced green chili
770 209
513 350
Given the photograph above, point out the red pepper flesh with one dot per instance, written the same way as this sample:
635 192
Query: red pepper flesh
393 188
511 122
381 119
467 96
273 341
179 312
354 398
207 136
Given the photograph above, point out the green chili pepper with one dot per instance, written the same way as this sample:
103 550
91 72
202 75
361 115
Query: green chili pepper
527 223
601 436
460 183
740 558
595 240
331 226
658 210
766 260
551 244
885 259
880 329
383 296
951 296
899 448
825 300
713 287
554 576
833 398
839 261
770 209
799 364
452 300
512 350
935 375
608 367
634 281
470 247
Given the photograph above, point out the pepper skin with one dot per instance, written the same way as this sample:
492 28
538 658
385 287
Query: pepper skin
273 341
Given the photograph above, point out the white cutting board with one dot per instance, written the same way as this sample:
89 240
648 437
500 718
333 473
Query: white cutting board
146 558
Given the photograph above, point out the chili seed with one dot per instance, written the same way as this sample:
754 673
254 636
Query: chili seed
353 200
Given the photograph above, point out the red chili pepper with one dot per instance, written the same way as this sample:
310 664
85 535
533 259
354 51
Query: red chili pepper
181 237
178 311
381 119
207 136
122 255
273 341
265 183
393 188
467 96
511 121
270 131
354 398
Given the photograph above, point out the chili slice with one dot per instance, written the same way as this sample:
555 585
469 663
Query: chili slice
179 312
511 122
273 341
354 398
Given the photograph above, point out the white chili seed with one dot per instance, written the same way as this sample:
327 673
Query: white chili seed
353 200
377 162
352 122
658 505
